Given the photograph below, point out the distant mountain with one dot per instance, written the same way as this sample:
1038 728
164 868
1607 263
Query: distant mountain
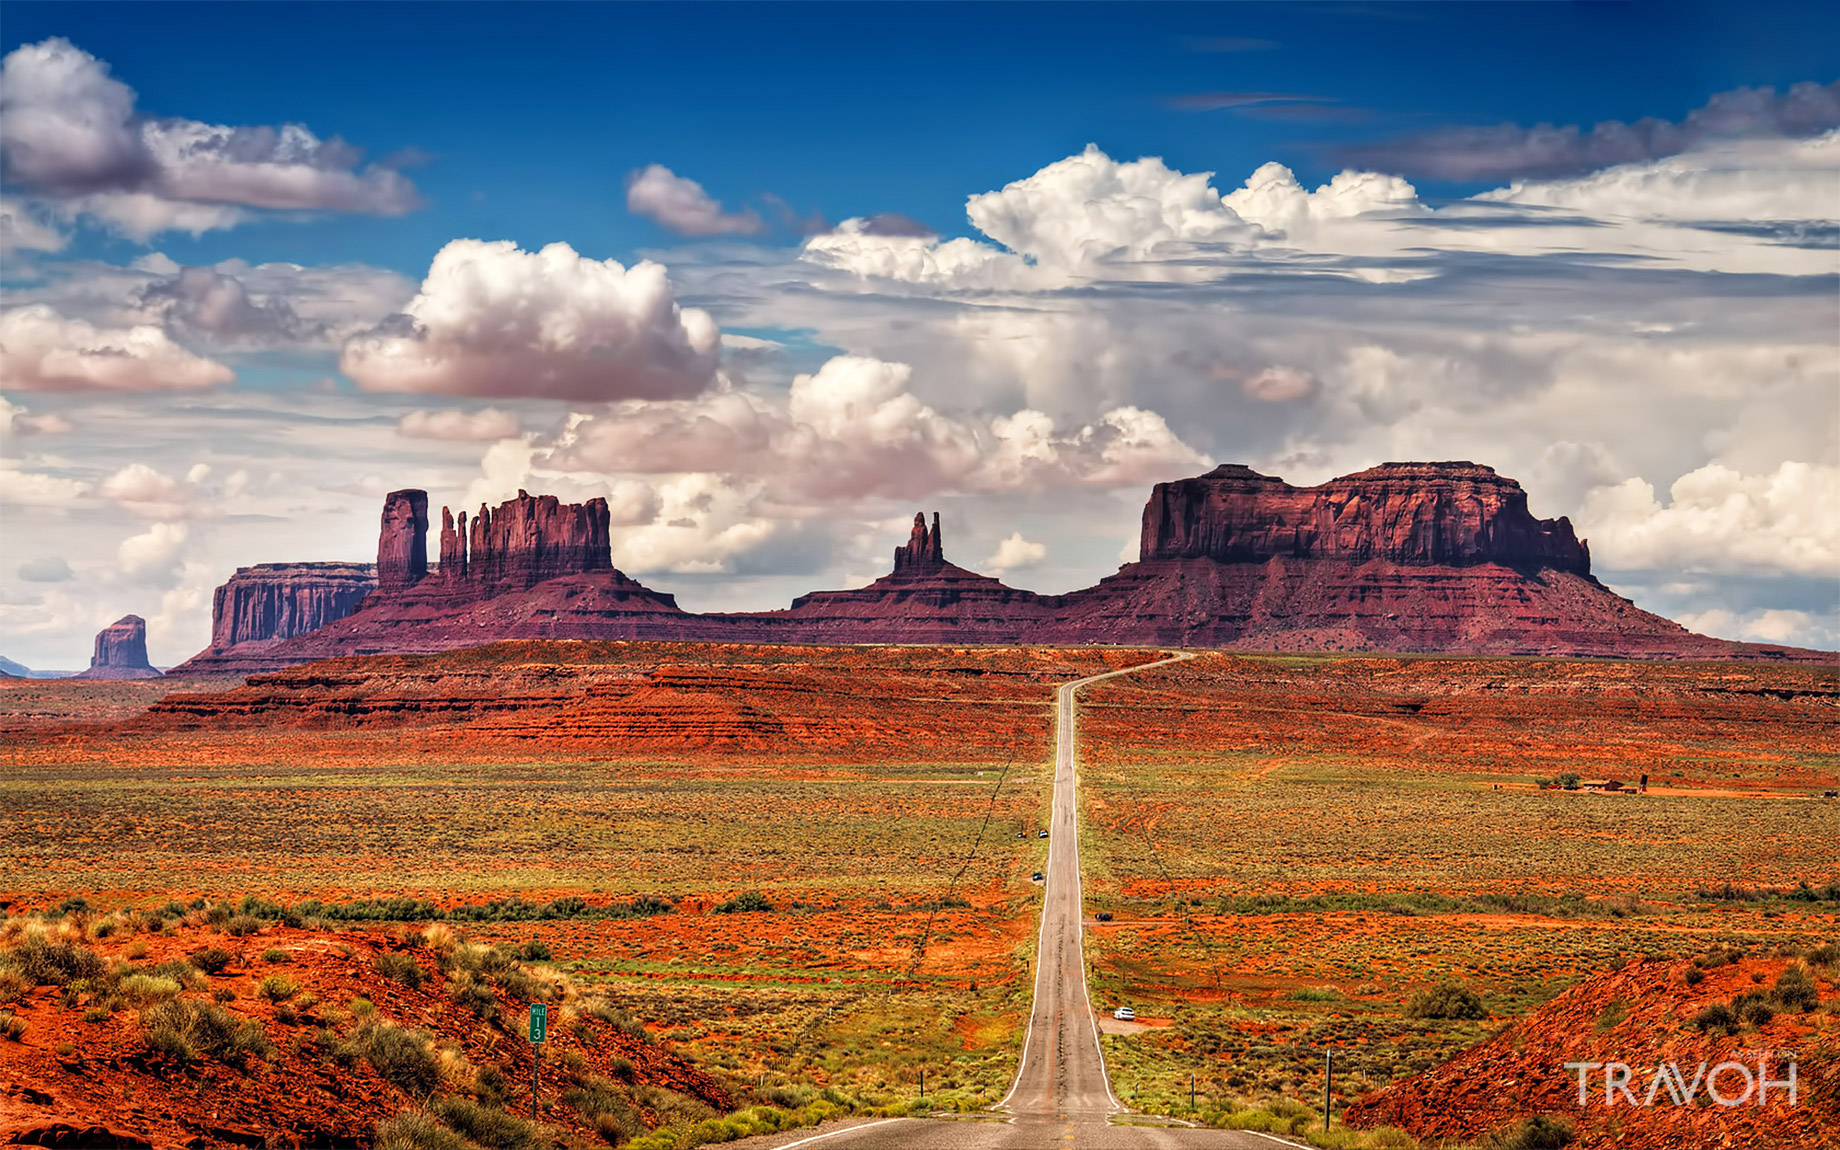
13 670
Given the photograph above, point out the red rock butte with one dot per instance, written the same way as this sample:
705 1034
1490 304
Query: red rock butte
1405 557
121 652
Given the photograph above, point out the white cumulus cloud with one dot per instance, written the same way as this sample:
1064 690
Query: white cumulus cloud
155 555
681 205
1719 519
71 132
1015 553
493 319
43 351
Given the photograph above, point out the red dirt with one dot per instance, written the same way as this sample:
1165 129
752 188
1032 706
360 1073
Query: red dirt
1641 1016
109 1077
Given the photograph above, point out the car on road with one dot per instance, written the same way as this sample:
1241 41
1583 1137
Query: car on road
1037 877
1125 1014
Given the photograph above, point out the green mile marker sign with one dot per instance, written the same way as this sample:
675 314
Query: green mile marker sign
539 1022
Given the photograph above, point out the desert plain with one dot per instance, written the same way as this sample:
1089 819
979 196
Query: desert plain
763 886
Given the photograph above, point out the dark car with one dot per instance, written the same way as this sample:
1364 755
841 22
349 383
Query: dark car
1037 877
1104 916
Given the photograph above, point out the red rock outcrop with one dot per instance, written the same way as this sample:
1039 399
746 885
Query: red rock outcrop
121 652
1409 557
522 543
402 544
262 605
1456 514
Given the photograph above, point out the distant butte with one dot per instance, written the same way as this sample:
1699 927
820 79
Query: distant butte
1404 557
121 652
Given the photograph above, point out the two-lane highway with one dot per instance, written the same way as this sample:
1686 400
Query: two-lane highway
1062 1097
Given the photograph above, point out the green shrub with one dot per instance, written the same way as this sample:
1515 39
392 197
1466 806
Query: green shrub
1541 1132
748 902
606 1109
1316 994
1795 991
211 960
401 967
141 989
1695 976
277 987
12 1027
536 950
1753 1009
488 1126
276 954
1827 954
242 925
1446 1000
476 996
403 1057
414 1130
49 963
187 1030
1718 1016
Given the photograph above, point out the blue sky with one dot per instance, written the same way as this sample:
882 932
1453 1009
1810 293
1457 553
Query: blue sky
1590 244
531 116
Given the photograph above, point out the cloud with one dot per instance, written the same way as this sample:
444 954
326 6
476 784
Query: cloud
1719 519
1089 209
855 429
1770 626
1738 182
681 205
1508 151
1279 384
860 248
486 423
155 555
24 229
208 302
16 420
48 569
492 319
1215 101
42 351
1274 200
71 133
1016 553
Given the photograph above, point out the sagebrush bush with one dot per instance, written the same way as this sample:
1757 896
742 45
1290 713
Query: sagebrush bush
404 1057
211 960
1717 1016
488 1126
48 963
188 1029
12 1027
1446 1000
277 987
414 1130
401 967
141 989
748 902
1795 991
1541 1132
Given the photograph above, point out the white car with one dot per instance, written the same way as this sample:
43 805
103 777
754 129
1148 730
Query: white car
1125 1014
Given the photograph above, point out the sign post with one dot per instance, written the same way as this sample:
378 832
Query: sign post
539 1033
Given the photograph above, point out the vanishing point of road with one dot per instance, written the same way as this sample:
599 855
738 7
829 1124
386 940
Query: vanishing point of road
1062 1097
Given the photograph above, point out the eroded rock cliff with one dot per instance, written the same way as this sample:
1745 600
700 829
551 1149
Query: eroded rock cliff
121 652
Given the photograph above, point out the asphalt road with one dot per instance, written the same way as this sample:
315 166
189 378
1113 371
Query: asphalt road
1062 1097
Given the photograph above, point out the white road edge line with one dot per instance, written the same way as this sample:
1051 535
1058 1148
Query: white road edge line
1255 1134
1079 890
835 1133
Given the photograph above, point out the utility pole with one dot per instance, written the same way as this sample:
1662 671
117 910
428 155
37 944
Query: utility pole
1191 1094
1328 1082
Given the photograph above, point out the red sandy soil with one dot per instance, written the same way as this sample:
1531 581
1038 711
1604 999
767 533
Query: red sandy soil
1642 1016
64 1070
1731 727
620 698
